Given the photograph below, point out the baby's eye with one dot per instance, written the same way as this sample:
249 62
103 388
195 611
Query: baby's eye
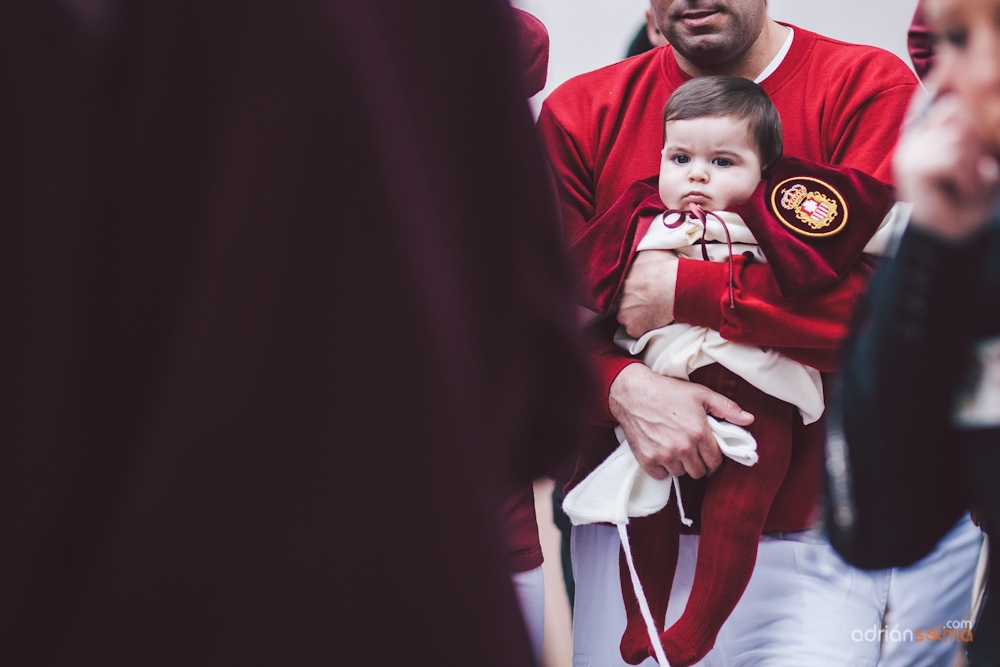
680 158
722 162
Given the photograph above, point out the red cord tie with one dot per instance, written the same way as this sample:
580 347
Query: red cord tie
701 215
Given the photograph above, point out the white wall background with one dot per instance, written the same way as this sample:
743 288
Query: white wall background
587 34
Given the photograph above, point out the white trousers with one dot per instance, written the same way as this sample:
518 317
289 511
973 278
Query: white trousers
799 610
936 590
530 589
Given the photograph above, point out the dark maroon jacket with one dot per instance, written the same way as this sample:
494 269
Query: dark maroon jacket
282 303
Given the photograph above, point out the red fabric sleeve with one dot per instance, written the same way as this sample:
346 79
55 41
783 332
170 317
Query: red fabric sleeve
573 179
845 105
533 51
809 329
867 139
606 361
575 185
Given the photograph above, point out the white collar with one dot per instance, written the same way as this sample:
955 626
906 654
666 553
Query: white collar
773 65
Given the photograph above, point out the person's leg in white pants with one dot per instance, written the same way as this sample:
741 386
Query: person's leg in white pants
936 590
530 589
799 610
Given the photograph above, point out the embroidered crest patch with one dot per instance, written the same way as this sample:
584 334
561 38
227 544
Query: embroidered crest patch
809 206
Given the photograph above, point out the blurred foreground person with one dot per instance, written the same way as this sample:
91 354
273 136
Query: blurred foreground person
264 374
918 438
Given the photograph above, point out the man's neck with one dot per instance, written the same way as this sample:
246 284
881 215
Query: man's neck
754 60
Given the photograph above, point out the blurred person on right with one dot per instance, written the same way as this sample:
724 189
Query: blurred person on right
914 441
939 587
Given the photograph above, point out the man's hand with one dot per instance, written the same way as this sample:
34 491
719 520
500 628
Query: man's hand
665 421
647 301
945 169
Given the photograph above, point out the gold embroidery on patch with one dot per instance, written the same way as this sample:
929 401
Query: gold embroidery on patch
811 212
817 210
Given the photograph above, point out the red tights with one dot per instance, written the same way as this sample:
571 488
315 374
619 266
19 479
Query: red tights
736 501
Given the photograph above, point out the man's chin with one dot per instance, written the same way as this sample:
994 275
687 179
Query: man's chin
707 45
709 53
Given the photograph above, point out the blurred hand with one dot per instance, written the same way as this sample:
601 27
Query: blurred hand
945 169
665 421
647 300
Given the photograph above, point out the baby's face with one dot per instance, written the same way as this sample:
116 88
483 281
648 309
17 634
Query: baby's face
710 161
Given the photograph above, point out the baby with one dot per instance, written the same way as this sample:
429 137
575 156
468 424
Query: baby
721 134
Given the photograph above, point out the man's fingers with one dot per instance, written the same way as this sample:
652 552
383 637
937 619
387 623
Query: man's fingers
695 467
660 467
684 461
705 456
712 456
719 406
657 470
675 469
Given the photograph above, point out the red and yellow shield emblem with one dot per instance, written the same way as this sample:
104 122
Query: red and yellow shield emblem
809 206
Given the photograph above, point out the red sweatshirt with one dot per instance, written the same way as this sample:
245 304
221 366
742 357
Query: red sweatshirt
839 103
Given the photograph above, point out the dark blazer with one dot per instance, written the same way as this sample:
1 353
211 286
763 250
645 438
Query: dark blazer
902 463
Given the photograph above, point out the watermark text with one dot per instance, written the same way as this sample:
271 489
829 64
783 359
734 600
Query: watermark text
952 631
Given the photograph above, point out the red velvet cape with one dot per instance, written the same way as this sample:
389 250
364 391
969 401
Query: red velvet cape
801 263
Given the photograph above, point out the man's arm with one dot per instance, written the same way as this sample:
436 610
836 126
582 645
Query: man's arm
865 93
572 171
809 328
867 137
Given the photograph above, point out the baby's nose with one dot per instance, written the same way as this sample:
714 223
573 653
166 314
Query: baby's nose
698 173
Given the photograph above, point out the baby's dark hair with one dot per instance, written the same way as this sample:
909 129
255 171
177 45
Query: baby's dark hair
730 96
